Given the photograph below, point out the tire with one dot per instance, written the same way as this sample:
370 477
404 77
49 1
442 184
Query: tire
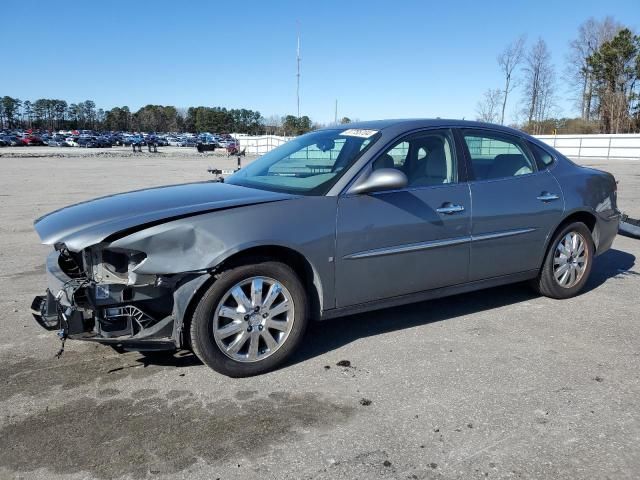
564 287
247 322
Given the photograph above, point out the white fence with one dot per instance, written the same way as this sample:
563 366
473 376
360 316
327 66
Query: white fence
579 146
261 144
602 146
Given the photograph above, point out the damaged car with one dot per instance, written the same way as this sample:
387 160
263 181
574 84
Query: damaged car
334 222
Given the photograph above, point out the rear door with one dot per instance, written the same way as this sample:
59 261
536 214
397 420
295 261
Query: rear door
515 206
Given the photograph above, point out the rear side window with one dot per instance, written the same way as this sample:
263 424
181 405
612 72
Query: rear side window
543 159
497 156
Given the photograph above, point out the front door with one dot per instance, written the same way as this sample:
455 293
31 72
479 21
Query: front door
405 241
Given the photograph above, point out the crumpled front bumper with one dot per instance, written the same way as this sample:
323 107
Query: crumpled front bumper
57 311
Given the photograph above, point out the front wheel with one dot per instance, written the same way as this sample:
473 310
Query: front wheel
250 319
568 262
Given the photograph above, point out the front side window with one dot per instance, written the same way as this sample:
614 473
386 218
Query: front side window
427 159
309 164
497 156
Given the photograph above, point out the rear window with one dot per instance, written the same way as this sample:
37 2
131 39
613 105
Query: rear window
543 158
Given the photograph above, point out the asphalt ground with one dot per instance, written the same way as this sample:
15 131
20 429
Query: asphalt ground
494 384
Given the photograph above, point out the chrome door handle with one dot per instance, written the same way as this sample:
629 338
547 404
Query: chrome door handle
449 209
547 197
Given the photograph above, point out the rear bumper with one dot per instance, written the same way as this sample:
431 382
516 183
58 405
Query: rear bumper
607 229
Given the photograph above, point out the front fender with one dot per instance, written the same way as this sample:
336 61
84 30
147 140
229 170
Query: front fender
200 243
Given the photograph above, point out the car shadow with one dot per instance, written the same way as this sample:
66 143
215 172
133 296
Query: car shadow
329 335
612 263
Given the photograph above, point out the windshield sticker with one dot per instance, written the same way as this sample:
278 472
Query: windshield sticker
359 132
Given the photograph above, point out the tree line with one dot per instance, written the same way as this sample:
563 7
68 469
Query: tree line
602 72
53 114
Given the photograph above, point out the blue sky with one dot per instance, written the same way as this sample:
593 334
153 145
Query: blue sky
380 59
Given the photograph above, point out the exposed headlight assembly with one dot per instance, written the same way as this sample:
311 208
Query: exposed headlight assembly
118 266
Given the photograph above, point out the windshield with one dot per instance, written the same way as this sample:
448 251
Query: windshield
307 165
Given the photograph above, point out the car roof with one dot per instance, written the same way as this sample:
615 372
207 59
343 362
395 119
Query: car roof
415 123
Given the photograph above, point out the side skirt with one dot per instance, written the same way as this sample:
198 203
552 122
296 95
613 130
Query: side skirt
429 294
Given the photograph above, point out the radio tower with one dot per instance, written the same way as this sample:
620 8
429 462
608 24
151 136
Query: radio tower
298 74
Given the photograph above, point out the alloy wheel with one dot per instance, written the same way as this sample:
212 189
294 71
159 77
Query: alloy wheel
253 319
570 260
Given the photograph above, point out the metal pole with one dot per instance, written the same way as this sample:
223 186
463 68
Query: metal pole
609 149
580 148
298 72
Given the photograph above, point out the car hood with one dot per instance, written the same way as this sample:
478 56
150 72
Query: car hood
87 223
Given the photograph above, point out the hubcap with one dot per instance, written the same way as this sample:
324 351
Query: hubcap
253 319
570 260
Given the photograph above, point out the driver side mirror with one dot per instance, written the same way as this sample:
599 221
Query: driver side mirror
381 180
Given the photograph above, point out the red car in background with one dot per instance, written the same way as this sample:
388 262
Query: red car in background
32 141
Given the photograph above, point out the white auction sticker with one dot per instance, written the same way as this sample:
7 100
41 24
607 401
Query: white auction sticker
359 132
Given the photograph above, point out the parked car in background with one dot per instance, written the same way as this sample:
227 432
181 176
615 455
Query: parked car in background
103 142
57 141
33 141
88 142
12 141
71 142
187 142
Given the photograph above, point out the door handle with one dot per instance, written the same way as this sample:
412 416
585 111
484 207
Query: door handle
547 197
450 209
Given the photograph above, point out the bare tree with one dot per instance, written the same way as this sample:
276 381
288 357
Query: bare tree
508 60
538 84
591 35
488 109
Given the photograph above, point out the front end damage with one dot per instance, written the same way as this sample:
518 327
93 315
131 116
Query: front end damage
97 295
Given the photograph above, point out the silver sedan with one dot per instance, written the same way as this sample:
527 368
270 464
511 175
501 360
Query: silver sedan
338 221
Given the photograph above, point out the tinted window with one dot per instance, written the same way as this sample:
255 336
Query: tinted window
543 159
497 156
426 159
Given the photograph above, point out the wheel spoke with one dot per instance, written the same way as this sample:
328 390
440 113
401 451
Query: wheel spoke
563 249
269 340
241 298
256 292
272 294
252 354
561 270
238 343
231 329
281 325
232 313
563 278
561 260
280 308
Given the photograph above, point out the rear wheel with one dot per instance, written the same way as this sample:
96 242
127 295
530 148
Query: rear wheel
250 319
568 262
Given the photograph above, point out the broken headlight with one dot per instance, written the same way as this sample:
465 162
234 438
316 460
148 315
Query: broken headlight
118 266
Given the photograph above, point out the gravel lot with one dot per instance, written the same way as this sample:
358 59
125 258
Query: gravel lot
499 383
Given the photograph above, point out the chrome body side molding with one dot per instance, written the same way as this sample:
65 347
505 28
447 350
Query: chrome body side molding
413 247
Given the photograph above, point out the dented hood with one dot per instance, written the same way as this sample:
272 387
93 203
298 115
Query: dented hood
85 224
